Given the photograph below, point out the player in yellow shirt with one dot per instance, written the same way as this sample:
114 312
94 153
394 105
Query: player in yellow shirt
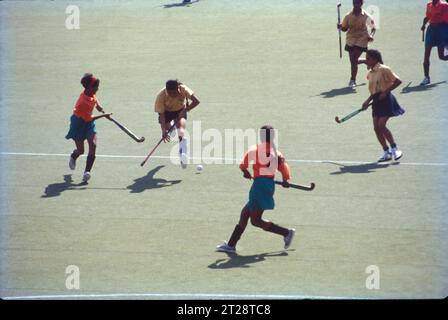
381 82
172 106
355 24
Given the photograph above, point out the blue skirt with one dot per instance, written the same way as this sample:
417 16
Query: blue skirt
436 35
387 107
261 195
80 130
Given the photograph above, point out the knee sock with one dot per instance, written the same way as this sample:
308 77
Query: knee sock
274 228
236 235
89 163
75 155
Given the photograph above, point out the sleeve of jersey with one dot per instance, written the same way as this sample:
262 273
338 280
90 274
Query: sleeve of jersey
283 167
389 76
244 165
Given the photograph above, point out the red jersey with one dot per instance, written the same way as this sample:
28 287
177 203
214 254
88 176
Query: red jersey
84 107
265 162
437 13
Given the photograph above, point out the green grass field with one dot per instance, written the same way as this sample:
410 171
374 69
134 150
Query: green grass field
150 232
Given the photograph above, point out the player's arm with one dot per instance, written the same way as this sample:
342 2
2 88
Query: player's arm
107 115
425 21
284 169
344 25
244 166
194 103
165 135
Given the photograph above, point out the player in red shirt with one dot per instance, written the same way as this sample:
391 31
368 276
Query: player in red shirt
436 34
82 123
266 161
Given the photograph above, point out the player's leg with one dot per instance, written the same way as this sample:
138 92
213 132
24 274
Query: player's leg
354 55
76 153
378 127
257 220
230 246
429 43
426 63
442 41
240 227
396 153
90 157
183 143
443 52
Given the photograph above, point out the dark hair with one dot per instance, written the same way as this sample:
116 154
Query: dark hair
172 84
86 81
375 54
266 133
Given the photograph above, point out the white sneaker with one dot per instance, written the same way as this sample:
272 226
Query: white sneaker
352 84
425 81
72 163
397 154
86 176
225 248
387 156
289 237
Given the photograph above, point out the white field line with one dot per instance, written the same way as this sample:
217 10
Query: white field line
223 160
174 296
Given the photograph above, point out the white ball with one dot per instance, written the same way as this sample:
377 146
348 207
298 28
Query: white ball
199 167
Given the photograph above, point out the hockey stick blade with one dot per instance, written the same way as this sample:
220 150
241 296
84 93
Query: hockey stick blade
298 186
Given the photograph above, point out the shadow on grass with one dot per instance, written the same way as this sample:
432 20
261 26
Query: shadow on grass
236 261
361 168
149 182
419 88
55 189
179 4
339 92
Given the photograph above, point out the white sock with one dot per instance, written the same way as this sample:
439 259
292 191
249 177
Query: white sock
183 145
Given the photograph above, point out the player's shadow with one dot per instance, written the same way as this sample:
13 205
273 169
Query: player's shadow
339 92
149 182
419 88
236 261
361 168
55 189
179 4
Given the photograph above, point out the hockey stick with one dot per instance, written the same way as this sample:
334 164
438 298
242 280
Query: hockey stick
298 186
349 116
339 22
127 131
158 143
